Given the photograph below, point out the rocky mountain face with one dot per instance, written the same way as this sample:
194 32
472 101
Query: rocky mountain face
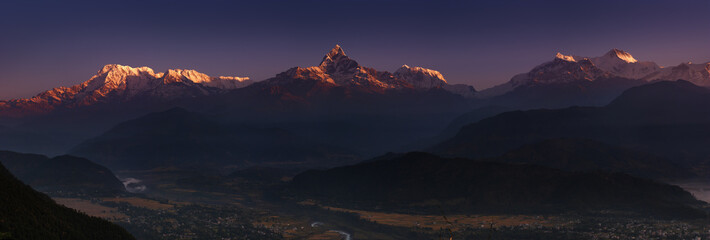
116 83
699 74
572 81
562 69
421 77
622 64
337 69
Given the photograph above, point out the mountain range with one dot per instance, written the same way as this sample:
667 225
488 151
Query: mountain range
117 83
338 101
120 84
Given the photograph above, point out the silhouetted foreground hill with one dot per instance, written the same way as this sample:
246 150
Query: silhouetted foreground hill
64 173
28 214
422 183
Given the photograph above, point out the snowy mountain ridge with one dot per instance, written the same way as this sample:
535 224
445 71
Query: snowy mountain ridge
615 63
337 69
119 83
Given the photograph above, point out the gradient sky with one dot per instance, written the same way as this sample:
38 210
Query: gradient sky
45 44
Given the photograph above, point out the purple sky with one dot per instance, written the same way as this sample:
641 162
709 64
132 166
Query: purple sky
482 43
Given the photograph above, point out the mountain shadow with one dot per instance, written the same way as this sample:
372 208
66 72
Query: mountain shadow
62 174
179 138
426 183
667 119
589 155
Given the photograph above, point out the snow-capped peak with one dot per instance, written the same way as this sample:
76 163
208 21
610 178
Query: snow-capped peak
113 76
180 75
565 57
192 76
620 54
124 69
622 64
420 77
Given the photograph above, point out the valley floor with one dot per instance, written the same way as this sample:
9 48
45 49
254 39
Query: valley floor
243 210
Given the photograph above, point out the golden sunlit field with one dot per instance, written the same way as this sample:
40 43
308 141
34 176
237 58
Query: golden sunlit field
453 222
140 202
92 209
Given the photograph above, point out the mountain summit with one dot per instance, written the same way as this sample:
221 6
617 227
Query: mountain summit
620 54
622 64
336 57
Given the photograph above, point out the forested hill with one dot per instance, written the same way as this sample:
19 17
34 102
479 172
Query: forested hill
28 214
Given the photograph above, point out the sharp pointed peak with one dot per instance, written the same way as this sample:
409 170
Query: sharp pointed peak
335 55
336 51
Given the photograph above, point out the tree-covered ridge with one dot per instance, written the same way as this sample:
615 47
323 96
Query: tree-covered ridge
28 214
